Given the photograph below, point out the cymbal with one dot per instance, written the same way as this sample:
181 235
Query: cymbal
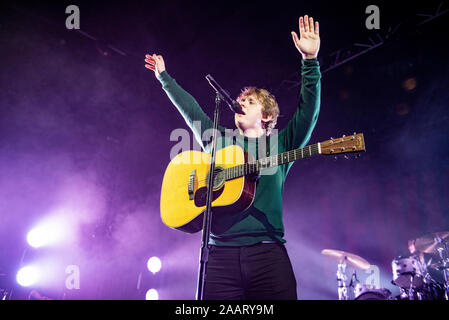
427 243
351 259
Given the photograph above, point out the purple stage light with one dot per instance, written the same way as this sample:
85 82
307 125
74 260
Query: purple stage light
152 294
28 276
154 264
37 237
53 230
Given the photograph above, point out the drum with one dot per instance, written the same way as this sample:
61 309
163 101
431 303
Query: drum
367 292
429 291
408 272
432 291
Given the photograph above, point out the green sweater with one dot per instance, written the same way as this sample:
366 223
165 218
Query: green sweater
263 220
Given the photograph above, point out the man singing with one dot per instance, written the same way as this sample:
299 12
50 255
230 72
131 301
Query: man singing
247 258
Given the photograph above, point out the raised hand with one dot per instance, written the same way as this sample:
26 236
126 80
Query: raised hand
155 62
308 43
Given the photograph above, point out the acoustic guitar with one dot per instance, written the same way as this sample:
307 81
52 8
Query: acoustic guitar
184 187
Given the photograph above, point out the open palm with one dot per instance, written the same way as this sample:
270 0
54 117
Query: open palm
308 43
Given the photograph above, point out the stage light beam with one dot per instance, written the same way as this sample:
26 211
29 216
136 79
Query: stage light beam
154 264
37 238
54 230
27 276
152 294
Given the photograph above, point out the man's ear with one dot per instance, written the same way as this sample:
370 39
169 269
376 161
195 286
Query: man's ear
267 118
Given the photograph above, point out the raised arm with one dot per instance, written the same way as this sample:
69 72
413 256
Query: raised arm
299 129
183 101
156 63
308 44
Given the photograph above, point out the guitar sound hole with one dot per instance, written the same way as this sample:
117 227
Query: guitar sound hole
219 178
201 196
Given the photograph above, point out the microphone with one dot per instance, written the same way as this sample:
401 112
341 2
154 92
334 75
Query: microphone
224 95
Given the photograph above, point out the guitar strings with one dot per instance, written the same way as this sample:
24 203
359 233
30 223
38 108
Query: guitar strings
236 171
247 169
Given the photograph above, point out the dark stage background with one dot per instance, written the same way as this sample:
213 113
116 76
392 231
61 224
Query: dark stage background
85 135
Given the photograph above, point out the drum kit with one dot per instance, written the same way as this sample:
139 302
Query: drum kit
410 273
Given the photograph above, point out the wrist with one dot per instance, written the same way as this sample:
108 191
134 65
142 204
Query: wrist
309 57
162 75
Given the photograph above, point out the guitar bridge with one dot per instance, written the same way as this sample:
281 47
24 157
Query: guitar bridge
192 184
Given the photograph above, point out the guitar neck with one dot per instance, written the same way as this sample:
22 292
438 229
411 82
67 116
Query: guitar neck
272 161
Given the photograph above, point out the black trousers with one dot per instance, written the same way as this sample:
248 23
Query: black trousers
259 272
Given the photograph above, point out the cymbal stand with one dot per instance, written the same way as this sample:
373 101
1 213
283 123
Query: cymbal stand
411 291
341 281
354 282
441 250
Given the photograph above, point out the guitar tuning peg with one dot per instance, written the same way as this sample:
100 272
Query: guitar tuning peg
332 138
357 155
354 133
344 135
346 157
335 158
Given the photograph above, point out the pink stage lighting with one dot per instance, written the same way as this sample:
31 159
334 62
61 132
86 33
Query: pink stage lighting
53 230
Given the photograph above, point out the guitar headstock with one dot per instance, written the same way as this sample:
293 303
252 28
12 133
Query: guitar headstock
345 144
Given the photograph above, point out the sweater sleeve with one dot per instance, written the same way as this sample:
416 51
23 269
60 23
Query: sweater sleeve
299 129
189 108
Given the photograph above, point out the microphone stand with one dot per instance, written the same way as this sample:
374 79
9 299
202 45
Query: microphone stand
207 218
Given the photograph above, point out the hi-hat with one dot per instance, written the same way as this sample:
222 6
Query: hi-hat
350 258
429 243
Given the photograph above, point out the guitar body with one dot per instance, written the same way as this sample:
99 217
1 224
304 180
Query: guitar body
184 188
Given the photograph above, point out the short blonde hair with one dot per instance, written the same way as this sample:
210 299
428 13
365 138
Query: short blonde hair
269 105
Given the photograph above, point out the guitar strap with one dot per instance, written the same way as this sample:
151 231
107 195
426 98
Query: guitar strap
268 146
